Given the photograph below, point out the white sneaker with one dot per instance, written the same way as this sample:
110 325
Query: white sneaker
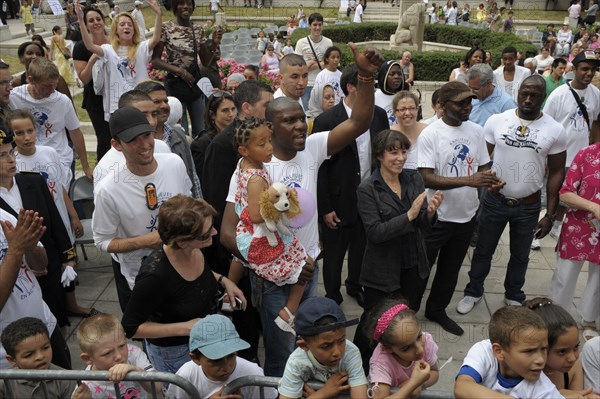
555 231
467 304
511 302
535 244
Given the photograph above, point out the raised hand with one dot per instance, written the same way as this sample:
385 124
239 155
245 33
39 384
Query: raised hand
154 6
367 61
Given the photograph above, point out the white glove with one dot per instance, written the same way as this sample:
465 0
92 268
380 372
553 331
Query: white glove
68 276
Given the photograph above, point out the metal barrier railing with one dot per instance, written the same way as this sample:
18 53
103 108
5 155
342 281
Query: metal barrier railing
78 375
273 382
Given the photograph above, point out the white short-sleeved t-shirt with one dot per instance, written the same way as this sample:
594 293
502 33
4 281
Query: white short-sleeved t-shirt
300 173
25 299
561 106
453 152
357 14
45 161
481 359
303 48
53 114
302 366
193 373
121 209
123 74
326 77
128 389
113 160
521 151
385 101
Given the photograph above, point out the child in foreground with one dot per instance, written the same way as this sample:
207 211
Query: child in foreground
405 357
323 354
104 347
562 366
511 362
214 343
27 345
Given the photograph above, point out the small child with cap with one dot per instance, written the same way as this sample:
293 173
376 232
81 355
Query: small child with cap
214 343
323 354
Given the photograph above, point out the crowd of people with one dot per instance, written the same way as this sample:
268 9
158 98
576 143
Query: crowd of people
189 228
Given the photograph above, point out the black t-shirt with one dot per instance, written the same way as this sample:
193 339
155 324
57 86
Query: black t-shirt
91 100
161 295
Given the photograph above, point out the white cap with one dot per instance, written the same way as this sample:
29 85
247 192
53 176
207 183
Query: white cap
138 3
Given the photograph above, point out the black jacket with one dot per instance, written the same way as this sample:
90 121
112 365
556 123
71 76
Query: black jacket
36 197
386 225
339 176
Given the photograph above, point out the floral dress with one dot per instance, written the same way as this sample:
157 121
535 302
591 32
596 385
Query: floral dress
579 237
280 264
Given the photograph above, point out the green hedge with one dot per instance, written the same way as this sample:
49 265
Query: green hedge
429 65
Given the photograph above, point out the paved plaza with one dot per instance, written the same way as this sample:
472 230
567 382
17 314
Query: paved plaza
97 288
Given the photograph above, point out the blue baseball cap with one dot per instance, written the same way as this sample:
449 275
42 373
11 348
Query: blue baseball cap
215 337
314 309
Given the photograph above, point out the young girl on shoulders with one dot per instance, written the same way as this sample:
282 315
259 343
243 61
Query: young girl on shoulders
405 357
283 263
331 75
122 62
563 366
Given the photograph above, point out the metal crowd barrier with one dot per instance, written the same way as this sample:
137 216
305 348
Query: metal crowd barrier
273 382
78 375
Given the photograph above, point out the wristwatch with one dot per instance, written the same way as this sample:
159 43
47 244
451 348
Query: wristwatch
551 216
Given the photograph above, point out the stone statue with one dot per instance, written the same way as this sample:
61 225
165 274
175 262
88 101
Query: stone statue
410 27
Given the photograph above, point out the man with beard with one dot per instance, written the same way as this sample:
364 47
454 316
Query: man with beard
527 139
452 157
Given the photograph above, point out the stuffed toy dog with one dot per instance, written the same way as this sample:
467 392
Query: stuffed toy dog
278 204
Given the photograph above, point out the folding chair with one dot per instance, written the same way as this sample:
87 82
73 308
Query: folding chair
81 193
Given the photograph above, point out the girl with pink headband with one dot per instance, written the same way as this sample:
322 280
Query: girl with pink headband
405 357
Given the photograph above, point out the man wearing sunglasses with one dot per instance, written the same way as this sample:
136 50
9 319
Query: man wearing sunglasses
125 218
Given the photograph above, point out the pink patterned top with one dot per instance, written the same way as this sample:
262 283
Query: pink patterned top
579 238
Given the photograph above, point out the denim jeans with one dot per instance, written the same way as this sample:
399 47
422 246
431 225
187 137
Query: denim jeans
522 219
278 343
196 111
167 358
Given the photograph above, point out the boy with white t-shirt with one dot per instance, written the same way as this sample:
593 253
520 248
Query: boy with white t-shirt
214 344
511 362
43 160
54 113
126 213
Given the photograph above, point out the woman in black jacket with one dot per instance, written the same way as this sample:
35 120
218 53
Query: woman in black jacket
393 206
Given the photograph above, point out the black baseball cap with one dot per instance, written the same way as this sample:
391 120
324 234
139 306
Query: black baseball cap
127 123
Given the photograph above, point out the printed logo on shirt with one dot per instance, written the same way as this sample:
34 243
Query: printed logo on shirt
462 162
45 127
577 121
522 137
25 284
126 69
161 198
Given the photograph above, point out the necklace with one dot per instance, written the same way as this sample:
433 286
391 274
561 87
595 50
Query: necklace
522 130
